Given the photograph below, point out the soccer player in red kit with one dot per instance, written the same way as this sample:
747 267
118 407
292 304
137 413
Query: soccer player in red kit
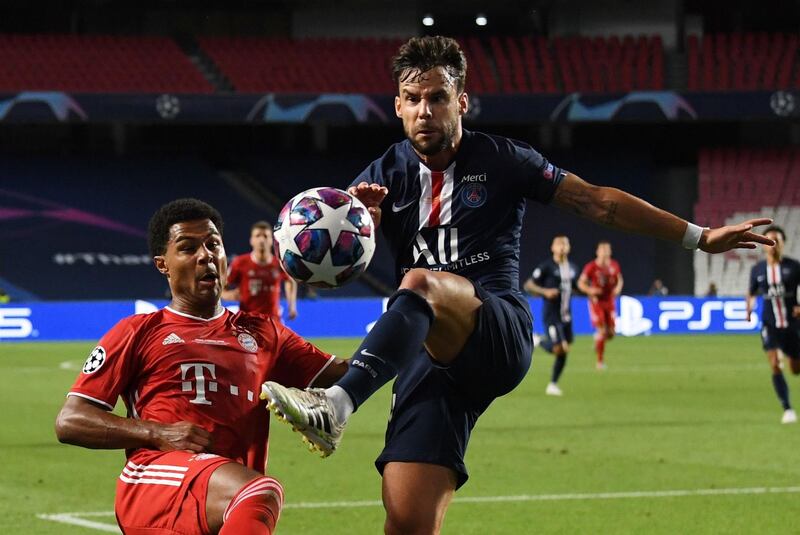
601 280
190 376
255 279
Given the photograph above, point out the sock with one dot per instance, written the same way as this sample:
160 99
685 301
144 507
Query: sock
249 513
342 404
558 367
394 340
599 347
782 389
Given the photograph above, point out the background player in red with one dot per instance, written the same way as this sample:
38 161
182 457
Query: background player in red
601 280
255 279
190 376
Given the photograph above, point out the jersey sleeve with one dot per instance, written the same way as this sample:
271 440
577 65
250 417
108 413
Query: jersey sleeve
110 366
587 270
539 274
299 362
539 177
753 286
234 272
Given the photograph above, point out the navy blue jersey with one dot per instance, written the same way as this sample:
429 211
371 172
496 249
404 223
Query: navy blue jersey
564 276
466 219
778 285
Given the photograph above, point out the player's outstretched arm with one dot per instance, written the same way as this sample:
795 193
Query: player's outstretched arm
619 210
83 423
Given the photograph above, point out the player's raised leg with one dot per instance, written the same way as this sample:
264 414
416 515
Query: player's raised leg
240 501
431 308
416 496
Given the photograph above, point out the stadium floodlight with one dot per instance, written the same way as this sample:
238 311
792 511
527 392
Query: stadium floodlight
427 20
480 19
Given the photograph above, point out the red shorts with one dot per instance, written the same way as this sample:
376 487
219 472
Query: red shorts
602 314
164 493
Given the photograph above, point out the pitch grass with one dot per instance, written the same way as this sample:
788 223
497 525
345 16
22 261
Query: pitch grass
670 413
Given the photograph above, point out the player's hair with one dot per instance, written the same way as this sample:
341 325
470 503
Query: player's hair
421 54
601 242
775 228
261 225
178 211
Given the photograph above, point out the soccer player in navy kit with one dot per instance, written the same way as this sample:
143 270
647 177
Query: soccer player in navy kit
457 333
554 279
777 278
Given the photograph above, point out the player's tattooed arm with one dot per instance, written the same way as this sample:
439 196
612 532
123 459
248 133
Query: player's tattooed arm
619 210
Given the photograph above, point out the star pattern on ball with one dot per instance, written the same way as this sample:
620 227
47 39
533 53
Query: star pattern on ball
334 214
325 271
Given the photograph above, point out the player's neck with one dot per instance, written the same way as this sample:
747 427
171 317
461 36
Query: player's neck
559 259
772 260
603 263
442 159
261 257
198 310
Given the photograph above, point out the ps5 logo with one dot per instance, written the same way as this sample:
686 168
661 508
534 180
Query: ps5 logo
14 322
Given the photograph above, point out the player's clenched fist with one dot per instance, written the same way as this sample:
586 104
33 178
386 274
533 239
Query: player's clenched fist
181 436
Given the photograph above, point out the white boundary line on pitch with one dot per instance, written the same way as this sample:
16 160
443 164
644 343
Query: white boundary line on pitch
79 519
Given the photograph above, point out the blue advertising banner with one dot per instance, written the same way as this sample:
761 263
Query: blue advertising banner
354 108
89 320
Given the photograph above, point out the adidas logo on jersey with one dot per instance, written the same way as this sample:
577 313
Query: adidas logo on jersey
172 339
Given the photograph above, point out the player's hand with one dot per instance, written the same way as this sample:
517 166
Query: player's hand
372 196
748 312
292 313
181 436
719 240
551 293
796 312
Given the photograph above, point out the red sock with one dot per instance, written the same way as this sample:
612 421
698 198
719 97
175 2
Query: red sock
249 513
599 347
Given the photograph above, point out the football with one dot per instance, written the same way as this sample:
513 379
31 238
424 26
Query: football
324 237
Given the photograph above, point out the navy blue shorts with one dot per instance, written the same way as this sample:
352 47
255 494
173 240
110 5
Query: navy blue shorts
559 331
787 340
434 408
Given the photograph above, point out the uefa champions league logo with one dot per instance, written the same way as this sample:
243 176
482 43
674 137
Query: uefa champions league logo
95 361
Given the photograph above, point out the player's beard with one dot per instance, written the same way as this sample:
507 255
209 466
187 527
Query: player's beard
429 148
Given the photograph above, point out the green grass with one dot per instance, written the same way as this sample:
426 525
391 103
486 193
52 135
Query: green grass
671 413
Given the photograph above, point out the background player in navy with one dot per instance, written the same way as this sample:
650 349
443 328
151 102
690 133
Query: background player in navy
457 333
554 279
777 279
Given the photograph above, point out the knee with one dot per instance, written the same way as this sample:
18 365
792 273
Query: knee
420 281
408 523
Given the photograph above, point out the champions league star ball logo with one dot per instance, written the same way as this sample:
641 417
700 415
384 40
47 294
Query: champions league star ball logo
248 342
95 361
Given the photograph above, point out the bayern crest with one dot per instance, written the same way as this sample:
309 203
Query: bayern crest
247 342
324 237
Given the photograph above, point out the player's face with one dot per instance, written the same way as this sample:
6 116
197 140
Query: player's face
603 251
261 239
776 251
431 108
195 263
560 246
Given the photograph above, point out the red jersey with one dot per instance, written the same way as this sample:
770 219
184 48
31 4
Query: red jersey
603 277
171 367
259 284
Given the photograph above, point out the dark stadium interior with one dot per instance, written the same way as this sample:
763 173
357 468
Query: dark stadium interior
122 164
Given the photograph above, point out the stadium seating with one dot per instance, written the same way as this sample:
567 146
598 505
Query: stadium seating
741 62
739 184
502 65
96 64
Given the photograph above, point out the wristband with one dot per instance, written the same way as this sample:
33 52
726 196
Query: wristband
692 235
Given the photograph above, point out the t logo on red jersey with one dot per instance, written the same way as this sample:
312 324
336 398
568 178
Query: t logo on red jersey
199 381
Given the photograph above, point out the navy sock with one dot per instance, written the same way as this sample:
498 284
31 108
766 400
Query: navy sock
394 340
782 389
558 367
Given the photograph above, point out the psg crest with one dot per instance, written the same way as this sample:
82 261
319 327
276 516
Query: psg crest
474 195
